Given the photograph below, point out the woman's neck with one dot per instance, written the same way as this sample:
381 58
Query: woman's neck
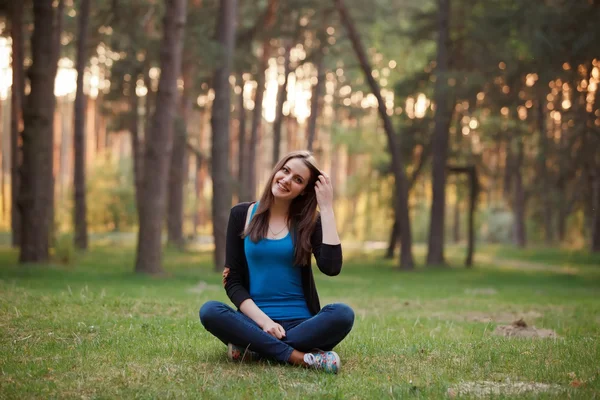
280 208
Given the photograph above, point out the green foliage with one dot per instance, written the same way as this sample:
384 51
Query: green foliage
98 330
111 196
64 249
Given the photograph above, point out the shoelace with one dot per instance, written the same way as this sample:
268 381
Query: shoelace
310 358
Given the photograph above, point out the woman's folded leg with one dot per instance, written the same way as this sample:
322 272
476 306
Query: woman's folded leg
231 326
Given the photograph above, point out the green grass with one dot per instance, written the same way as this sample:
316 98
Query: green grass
96 330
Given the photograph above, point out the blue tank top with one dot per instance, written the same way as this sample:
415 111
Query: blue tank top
275 282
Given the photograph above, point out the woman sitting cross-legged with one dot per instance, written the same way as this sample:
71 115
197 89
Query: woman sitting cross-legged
268 275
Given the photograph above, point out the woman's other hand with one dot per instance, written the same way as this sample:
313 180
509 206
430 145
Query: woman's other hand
274 329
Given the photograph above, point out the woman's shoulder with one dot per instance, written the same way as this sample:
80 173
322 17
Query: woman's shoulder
241 208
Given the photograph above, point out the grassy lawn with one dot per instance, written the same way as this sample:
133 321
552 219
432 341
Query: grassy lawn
96 330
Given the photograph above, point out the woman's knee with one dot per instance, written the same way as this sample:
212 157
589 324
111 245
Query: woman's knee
343 314
210 311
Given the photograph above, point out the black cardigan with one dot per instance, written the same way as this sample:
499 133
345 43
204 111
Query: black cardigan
236 278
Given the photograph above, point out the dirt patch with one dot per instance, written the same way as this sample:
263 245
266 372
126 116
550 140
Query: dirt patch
488 388
520 328
501 316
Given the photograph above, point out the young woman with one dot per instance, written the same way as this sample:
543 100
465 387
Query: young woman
268 274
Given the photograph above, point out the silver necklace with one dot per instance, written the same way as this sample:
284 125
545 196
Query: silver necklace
275 234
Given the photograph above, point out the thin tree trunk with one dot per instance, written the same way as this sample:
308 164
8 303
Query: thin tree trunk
176 183
519 199
442 119
35 196
318 88
258 99
57 45
17 95
221 199
543 171
257 120
281 98
456 225
136 147
474 192
395 233
178 161
243 178
159 142
402 216
81 234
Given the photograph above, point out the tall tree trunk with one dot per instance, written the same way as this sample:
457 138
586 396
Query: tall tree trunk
81 234
221 200
17 95
544 174
508 176
318 88
520 237
402 216
258 99
474 192
281 98
435 248
456 225
159 142
178 161
35 196
56 45
136 147
257 120
395 233
176 185
243 178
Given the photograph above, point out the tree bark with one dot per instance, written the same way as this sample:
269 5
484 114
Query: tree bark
16 118
435 251
221 200
81 234
402 216
159 143
35 196
281 98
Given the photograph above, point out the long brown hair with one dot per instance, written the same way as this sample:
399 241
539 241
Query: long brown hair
302 215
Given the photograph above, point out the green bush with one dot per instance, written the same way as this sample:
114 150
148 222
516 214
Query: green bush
64 249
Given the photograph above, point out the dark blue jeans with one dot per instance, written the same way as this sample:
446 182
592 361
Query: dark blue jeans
322 331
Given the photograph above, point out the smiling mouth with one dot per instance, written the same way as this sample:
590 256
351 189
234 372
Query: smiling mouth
282 188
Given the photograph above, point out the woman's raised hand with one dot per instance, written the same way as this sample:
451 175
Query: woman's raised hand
324 191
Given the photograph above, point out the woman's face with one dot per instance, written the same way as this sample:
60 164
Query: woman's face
291 180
